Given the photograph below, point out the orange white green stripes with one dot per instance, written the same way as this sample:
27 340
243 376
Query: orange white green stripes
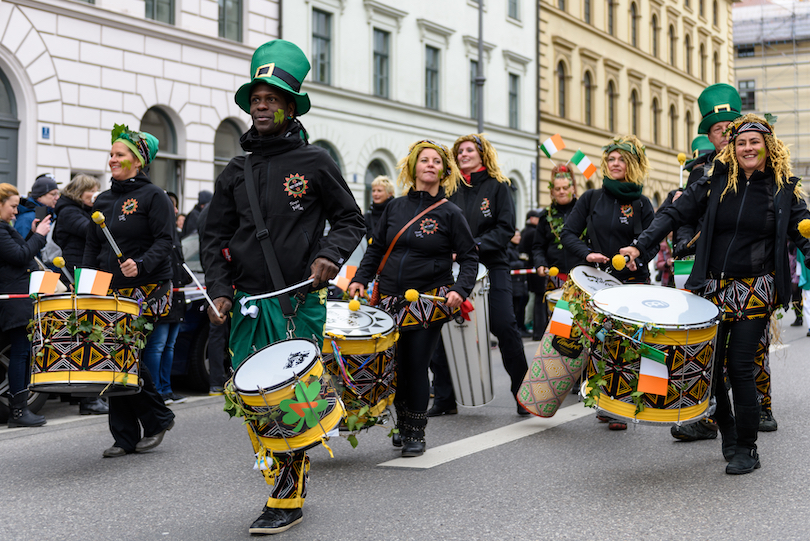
552 145
653 374
681 271
43 282
561 320
92 282
583 164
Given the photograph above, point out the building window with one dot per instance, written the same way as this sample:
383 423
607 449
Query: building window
715 13
431 77
587 91
654 32
230 19
561 89
561 4
633 25
512 9
586 11
611 107
686 3
514 101
687 50
634 103
611 13
656 121
226 145
748 94
9 132
744 51
474 90
716 67
160 10
702 62
321 46
166 170
673 127
672 43
702 11
689 127
381 62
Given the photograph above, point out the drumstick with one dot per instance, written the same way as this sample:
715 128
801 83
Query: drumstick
681 160
553 271
620 261
253 311
98 217
201 288
804 228
412 295
60 263
14 296
354 304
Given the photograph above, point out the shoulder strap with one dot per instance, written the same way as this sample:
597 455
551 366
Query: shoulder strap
263 235
595 196
406 226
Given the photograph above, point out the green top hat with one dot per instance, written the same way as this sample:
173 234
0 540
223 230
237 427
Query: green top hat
700 146
281 64
718 103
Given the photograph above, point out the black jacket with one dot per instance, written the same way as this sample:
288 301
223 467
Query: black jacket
490 213
192 223
70 230
701 201
180 278
547 249
300 187
16 264
612 227
520 287
373 215
140 217
422 257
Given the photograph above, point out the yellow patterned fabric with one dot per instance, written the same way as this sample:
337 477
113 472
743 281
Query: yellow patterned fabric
155 307
421 313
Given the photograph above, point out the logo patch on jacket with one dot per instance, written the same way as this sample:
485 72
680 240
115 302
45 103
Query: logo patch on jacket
129 206
295 185
428 226
627 212
485 210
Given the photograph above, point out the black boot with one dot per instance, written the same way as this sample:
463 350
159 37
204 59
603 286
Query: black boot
797 309
413 437
745 458
729 435
396 437
20 415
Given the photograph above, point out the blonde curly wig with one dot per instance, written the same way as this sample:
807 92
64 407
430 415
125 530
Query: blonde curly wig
407 167
489 156
635 156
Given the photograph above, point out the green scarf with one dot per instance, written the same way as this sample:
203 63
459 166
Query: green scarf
623 191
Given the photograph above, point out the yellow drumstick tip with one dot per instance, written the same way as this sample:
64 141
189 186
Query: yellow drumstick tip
354 305
618 262
98 217
411 295
59 262
804 228
553 271
681 158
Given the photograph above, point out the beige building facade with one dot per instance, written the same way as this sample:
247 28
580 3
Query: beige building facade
629 66
772 70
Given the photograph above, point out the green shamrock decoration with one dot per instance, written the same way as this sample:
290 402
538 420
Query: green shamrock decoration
305 407
278 117
126 164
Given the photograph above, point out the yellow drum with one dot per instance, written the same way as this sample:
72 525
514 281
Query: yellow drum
83 345
552 297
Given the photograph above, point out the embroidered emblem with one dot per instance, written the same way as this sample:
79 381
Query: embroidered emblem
129 206
485 210
295 185
428 226
626 214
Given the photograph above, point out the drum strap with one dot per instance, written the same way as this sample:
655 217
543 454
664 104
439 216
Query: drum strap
263 235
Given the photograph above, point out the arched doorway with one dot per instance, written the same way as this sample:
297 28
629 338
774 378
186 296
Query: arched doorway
9 132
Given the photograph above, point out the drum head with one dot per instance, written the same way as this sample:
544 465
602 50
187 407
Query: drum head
482 271
660 306
276 366
364 323
590 279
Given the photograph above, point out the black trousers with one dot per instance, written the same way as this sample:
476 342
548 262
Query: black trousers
128 413
414 352
503 326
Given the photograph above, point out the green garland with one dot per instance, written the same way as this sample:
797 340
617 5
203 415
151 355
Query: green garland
556 222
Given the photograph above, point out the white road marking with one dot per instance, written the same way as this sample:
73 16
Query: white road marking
458 449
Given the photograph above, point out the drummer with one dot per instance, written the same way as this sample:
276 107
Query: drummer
612 216
486 201
741 263
547 249
421 259
300 187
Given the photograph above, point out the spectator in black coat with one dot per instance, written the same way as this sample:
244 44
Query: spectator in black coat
70 231
191 224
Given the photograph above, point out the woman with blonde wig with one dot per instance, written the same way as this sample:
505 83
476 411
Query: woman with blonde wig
749 206
485 198
421 258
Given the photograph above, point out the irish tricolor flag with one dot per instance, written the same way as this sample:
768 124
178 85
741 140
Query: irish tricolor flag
92 282
344 277
561 320
583 164
552 145
681 271
43 282
653 374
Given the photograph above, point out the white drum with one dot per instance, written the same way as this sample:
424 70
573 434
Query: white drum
466 344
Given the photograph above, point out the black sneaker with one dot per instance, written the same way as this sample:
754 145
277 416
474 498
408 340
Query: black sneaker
178 399
274 520
766 421
701 430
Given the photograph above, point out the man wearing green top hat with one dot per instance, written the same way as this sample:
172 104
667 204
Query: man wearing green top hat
264 233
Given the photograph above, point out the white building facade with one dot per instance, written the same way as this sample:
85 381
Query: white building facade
386 74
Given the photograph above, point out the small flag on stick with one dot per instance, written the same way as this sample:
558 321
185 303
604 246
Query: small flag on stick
681 271
561 320
583 164
92 282
552 145
653 374
344 277
43 282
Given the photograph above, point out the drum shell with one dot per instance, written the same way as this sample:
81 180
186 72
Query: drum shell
65 363
466 344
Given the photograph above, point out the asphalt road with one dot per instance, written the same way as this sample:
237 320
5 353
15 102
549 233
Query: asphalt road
564 478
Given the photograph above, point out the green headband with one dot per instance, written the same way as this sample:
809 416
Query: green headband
143 145
627 147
